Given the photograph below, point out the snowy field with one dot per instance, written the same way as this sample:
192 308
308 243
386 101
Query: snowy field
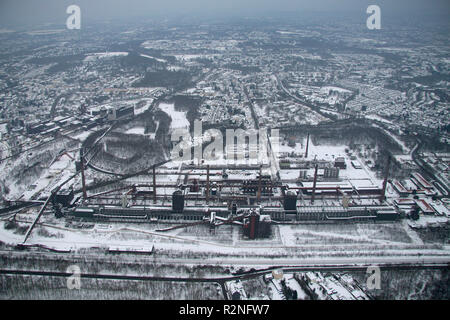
179 119
303 240
136 130
328 88
150 57
101 55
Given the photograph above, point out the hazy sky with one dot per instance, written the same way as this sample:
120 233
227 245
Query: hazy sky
54 11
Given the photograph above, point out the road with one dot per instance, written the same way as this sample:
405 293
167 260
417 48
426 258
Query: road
264 264
288 265
339 263
309 105
408 259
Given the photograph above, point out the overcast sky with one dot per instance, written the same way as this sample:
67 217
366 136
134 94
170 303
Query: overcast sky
54 11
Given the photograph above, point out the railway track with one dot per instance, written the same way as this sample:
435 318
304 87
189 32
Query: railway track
237 276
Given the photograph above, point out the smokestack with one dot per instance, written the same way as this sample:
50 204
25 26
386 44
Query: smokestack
307 146
259 183
383 191
254 221
154 185
314 184
83 180
207 183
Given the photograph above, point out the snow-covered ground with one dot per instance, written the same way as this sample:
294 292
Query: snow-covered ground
4 152
150 57
136 130
363 177
101 55
83 135
188 57
405 149
148 103
301 243
57 172
179 119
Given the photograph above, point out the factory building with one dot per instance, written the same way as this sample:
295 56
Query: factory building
181 213
64 197
331 172
257 226
290 203
340 163
178 201
120 112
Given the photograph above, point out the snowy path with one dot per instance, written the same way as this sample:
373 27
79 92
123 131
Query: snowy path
411 233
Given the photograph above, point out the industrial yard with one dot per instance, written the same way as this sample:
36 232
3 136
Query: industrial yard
253 157
315 203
